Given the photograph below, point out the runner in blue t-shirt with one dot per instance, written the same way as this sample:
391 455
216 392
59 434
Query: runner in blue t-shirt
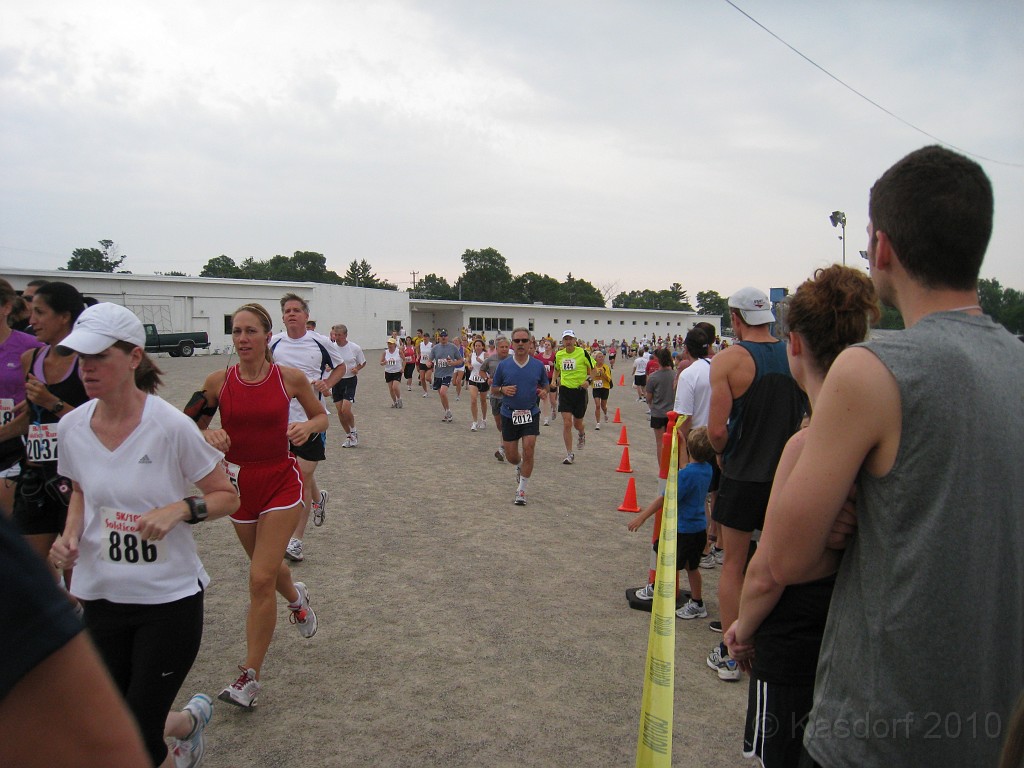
521 380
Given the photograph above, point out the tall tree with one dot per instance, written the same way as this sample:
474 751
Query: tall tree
107 258
580 293
713 303
531 287
361 274
432 287
486 276
1004 305
221 266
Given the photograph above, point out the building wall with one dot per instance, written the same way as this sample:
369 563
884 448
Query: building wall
589 323
202 303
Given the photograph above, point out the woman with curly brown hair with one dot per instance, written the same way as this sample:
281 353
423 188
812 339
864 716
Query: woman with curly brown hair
778 634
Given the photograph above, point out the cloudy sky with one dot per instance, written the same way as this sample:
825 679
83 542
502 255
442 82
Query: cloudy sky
633 144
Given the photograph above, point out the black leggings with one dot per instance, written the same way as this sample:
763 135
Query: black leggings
149 650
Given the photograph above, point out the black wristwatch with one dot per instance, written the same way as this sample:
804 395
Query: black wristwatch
197 506
57 407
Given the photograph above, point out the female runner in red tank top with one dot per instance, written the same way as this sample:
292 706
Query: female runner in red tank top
253 397
546 355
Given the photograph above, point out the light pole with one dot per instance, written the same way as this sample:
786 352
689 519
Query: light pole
838 219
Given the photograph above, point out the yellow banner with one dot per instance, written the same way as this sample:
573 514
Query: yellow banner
654 746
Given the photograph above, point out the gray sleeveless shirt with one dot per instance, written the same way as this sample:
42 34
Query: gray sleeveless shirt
923 655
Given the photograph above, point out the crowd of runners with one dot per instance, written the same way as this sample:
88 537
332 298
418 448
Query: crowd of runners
834 533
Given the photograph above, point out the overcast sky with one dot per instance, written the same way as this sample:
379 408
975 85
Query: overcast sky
632 143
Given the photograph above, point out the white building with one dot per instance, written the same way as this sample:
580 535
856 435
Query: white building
206 304
589 323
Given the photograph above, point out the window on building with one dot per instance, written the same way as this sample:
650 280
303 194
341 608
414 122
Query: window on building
477 324
227 324
394 326
645 322
529 324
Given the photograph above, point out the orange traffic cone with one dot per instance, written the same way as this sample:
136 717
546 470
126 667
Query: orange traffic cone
623 440
629 500
624 462
622 380
618 417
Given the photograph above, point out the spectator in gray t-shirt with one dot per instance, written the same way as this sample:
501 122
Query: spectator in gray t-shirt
446 358
487 369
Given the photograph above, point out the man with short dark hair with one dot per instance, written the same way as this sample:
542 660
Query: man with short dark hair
922 659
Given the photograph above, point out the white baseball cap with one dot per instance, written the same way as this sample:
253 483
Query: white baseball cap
99 326
568 333
753 306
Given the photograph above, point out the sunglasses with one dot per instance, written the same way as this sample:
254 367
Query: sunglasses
520 341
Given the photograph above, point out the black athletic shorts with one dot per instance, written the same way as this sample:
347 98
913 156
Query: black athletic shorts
442 381
600 393
511 432
572 401
315 448
659 422
689 550
345 389
395 376
640 381
409 368
741 504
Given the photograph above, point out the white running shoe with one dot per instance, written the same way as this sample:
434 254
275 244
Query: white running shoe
188 752
294 551
520 500
483 425
244 691
347 443
692 611
645 593
547 421
598 425
581 440
425 394
500 453
569 458
303 618
353 436
707 561
472 427
320 509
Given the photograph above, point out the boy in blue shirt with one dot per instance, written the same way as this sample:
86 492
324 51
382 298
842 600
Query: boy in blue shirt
691 526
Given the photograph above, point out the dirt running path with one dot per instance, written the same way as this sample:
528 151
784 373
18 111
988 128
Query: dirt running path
455 628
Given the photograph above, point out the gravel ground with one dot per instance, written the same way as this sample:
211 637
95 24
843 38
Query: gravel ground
457 629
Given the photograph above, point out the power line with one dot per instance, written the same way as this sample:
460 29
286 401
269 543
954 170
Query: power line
870 101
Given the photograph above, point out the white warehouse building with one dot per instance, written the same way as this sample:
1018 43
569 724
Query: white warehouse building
206 304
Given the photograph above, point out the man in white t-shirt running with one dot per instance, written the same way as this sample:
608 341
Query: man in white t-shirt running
344 392
312 353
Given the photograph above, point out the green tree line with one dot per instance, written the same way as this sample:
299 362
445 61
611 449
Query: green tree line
486 276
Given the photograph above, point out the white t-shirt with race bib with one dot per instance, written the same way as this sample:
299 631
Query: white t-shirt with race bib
156 465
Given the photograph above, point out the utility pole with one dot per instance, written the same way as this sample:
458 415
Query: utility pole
414 281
